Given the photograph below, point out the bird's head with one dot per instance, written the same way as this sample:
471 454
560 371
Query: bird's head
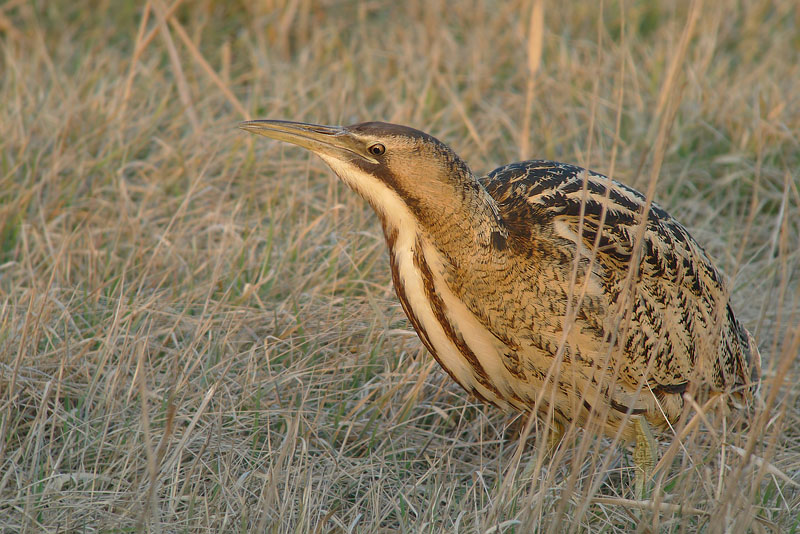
395 168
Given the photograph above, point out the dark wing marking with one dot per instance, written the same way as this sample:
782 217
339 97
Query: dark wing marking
679 307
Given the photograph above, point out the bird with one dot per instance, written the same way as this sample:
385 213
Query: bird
542 287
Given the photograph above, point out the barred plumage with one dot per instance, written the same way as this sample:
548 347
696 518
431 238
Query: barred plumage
682 324
538 287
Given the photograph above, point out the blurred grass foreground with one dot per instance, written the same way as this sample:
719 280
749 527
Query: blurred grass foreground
197 328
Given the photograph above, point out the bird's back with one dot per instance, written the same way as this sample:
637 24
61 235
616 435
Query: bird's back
652 330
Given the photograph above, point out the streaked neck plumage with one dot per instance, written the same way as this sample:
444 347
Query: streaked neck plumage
451 209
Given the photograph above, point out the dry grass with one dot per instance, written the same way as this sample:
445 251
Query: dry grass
197 328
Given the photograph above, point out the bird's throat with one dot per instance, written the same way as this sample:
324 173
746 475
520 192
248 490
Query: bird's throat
460 219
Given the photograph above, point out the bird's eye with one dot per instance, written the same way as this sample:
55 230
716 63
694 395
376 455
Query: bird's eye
377 149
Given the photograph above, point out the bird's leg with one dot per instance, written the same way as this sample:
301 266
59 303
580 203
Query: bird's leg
644 455
554 435
555 431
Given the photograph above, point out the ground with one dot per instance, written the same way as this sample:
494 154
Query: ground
197 326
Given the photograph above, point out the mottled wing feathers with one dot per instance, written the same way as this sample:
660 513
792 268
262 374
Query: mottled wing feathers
678 310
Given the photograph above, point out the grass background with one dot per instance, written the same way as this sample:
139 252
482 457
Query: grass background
197 327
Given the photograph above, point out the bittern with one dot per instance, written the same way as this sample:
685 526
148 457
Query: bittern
543 287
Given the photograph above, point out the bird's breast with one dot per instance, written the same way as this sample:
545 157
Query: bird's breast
458 340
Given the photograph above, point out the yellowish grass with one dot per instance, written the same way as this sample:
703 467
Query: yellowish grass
197 328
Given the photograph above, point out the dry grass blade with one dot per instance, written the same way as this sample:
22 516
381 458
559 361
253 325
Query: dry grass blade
207 68
177 68
760 462
7 27
141 44
198 330
535 46
138 48
473 131
649 505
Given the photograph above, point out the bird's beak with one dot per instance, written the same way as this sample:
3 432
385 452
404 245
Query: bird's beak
334 141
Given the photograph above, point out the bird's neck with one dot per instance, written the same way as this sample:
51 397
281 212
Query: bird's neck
463 225
455 213
470 226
